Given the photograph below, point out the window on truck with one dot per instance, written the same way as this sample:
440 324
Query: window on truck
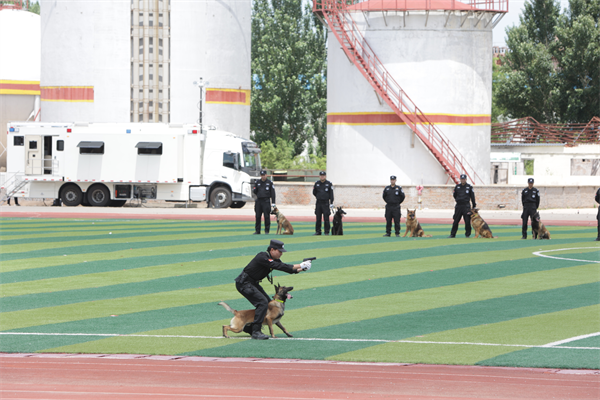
32 144
60 145
152 148
229 159
19 141
91 147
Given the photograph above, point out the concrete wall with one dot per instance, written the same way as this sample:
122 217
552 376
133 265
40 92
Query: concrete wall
554 165
440 196
211 39
87 44
443 67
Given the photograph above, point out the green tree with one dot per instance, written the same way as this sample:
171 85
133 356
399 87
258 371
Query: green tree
551 71
281 156
34 8
289 72
577 52
528 85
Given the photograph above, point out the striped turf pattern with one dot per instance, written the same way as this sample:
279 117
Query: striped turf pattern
152 287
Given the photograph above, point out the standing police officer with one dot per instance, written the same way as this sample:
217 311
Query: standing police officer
530 198
323 191
598 215
463 195
265 194
248 282
393 197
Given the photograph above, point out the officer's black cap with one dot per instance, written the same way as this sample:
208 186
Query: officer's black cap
530 180
263 172
463 176
277 245
392 177
322 173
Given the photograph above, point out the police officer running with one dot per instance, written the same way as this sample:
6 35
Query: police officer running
463 195
265 195
248 282
530 198
598 215
323 191
393 197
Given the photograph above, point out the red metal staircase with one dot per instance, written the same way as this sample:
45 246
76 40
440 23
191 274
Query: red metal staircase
336 15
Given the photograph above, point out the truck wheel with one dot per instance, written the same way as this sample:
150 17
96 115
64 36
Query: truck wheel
238 204
98 196
71 195
220 197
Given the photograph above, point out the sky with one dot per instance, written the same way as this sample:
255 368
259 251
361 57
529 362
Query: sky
511 18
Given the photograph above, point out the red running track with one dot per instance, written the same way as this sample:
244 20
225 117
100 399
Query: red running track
131 377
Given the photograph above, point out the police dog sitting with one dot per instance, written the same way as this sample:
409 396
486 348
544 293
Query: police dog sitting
481 227
284 226
338 226
412 225
539 230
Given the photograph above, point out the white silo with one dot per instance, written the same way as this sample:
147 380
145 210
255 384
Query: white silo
431 61
136 61
19 69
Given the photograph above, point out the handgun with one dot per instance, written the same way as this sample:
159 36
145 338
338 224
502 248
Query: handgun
310 259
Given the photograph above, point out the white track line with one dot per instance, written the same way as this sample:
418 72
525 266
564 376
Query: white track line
539 254
571 339
553 345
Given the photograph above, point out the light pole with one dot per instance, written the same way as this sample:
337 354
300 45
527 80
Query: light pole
201 84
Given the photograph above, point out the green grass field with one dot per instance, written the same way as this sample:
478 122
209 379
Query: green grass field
152 287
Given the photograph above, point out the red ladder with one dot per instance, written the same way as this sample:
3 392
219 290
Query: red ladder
335 13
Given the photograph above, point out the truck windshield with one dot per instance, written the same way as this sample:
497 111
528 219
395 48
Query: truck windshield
251 163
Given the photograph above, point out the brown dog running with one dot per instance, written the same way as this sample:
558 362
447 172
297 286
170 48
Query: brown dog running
274 314
539 230
413 226
283 224
479 225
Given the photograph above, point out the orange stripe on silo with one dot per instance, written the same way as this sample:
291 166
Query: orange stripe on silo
74 94
228 96
375 118
20 87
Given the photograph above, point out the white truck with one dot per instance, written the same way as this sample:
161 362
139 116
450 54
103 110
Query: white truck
103 164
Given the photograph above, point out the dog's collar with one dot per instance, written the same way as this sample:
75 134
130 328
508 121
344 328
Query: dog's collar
281 301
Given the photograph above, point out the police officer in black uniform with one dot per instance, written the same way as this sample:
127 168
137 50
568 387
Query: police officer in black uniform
393 197
248 282
598 215
323 191
530 198
265 196
463 195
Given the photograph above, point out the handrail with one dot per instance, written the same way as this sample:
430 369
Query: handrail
362 55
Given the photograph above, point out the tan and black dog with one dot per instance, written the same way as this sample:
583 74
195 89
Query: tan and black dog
539 230
274 314
480 226
413 226
284 226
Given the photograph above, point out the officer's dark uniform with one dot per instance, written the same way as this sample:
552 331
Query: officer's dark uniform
530 198
393 197
248 282
323 191
598 215
463 195
265 194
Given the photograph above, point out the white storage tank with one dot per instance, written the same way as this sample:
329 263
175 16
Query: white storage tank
440 53
136 61
19 69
